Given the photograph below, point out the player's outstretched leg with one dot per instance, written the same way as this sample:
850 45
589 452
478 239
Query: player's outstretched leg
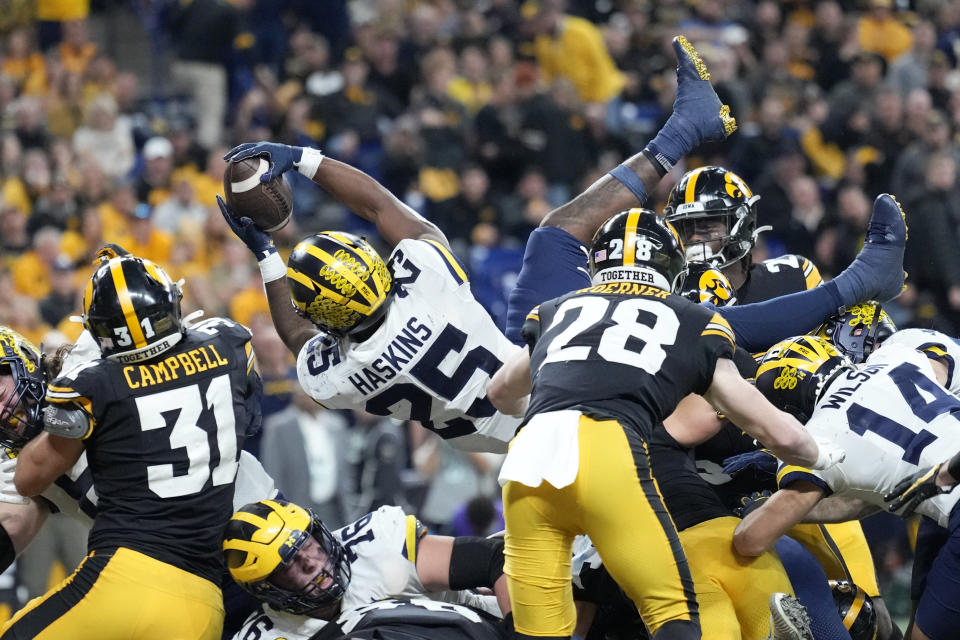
554 248
877 273
788 618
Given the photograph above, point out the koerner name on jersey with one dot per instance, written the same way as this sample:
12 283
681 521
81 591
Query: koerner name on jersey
400 351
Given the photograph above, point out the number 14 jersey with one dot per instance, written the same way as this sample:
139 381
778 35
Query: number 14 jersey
430 360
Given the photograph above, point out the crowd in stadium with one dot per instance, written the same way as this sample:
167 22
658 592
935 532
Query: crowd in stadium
483 117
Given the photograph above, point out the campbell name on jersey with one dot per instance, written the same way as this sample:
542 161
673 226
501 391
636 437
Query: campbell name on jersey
623 350
892 417
430 360
164 437
381 548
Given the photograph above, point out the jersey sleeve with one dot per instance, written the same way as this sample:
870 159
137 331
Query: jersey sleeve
787 474
72 395
811 275
433 255
715 341
934 345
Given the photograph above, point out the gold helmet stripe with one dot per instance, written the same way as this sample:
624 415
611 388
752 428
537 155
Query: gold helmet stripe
346 274
126 303
854 609
351 242
87 296
328 293
689 194
630 238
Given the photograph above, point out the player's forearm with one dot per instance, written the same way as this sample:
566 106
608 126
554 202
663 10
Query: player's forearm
43 460
293 330
509 389
605 197
371 201
762 527
949 474
840 509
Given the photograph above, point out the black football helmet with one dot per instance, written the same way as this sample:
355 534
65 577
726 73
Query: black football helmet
339 282
856 331
20 416
132 308
705 283
793 373
638 245
856 610
263 537
709 194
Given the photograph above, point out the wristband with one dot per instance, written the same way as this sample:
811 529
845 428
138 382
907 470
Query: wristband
626 176
309 162
272 267
659 166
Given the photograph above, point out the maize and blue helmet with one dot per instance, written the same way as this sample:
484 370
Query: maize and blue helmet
21 418
793 373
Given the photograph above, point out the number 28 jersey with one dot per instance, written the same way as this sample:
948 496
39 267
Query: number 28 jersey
163 443
430 360
622 350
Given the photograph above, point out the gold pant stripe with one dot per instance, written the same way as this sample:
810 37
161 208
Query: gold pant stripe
842 551
124 595
614 500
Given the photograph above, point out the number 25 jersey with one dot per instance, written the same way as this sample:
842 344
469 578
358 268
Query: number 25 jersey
622 350
163 443
430 360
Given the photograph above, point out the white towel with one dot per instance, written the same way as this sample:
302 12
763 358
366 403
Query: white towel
547 448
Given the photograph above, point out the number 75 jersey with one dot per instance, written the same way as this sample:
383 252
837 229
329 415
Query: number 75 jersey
430 360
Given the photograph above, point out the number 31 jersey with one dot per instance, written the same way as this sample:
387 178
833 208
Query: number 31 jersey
163 443
893 418
430 360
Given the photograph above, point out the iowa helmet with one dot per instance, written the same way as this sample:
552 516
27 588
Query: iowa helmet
638 245
339 282
264 537
856 610
132 309
714 194
793 373
20 414
856 331
705 283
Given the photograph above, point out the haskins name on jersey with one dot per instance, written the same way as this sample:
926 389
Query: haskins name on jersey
399 352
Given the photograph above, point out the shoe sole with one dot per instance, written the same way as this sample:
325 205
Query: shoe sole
790 618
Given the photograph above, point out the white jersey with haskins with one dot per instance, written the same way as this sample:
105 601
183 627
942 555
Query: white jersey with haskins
892 418
431 360
381 550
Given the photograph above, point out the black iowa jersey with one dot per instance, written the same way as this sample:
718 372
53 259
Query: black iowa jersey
622 350
765 280
163 443
778 277
416 619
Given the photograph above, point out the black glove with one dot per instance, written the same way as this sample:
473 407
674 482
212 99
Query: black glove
749 503
914 489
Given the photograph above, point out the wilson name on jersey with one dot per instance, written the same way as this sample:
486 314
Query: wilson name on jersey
893 418
430 360
163 443
622 350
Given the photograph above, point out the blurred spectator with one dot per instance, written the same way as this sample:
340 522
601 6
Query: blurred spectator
573 48
105 138
753 151
31 271
206 34
303 450
153 185
22 63
63 298
29 125
879 31
828 41
53 16
14 239
909 71
806 215
180 211
479 516
376 453
846 237
932 259
76 51
852 96
909 169
145 239
57 207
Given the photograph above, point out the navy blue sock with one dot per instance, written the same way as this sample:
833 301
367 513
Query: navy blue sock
759 326
811 588
554 263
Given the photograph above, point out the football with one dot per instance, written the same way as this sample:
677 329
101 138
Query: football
268 204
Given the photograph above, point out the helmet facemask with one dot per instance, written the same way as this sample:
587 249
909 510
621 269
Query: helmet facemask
734 242
21 418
